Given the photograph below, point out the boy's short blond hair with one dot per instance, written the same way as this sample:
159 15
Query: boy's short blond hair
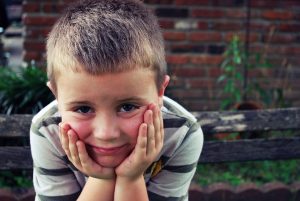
106 36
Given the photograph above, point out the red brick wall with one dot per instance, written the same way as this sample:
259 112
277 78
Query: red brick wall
196 33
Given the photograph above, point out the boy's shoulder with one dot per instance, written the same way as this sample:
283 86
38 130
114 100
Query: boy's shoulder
173 110
48 115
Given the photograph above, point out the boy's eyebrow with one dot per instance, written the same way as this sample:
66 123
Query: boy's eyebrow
131 99
71 103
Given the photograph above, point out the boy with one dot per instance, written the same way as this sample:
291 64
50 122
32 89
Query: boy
111 134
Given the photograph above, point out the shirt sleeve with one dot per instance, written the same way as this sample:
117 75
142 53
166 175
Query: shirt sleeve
173 181
53 177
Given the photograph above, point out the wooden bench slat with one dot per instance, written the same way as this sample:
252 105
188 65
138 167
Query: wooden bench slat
19 157
15 158
211 122
252 120
250 150
16 125
213 152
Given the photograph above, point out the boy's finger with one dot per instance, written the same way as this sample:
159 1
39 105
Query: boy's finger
151 135
73 147
157 125
85 159
64 140
141 144
162 133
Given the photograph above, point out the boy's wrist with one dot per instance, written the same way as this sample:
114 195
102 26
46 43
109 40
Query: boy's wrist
122 180
108 181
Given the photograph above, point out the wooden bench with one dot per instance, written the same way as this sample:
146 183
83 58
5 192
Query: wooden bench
283 147
16 128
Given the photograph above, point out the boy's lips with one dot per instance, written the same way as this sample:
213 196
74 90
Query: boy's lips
109 150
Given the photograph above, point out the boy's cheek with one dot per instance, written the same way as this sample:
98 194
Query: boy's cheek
80 128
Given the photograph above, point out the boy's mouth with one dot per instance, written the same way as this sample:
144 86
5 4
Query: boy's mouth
106 151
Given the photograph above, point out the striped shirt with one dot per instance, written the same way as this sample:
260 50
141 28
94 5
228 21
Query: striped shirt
167 179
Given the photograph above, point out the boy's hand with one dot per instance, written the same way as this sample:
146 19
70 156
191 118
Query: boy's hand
149 144
77 154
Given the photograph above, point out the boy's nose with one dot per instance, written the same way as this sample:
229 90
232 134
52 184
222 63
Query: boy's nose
105 128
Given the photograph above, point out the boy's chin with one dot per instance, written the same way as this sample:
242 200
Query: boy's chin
109 163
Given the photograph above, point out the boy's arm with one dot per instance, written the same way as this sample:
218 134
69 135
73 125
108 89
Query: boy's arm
98 189
130 183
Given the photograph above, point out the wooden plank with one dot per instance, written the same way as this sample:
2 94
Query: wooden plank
15 158
254 120
213 152
17 125
211 122
250 150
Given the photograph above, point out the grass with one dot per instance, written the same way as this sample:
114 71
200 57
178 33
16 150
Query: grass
15 179
258 172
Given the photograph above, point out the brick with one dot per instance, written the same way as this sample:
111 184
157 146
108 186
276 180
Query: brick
162 2
207 59
205 36
188 72
7 195
30 7
292 51
289 27
277 191
216 49
196 193
39 20
265 4
214 72
289 3
253 37
277 15
31 55
28 195
175 82
236 13
174 36
192 2
201 83
249 191
172 12
37 32
166 24
177 59
207 13
202 25
34 45
261 27
53 7
187 48
190 94
279 38
228 3
227 26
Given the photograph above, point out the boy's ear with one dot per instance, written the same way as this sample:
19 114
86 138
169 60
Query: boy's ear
51 87
162 89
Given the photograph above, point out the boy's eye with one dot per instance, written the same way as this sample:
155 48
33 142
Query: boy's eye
128 108
84 109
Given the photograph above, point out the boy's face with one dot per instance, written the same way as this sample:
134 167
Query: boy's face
106 110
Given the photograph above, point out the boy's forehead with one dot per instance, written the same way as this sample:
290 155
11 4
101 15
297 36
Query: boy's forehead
116 86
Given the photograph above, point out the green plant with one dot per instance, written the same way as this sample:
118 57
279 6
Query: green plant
24 91
237 85
258 172
20 178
